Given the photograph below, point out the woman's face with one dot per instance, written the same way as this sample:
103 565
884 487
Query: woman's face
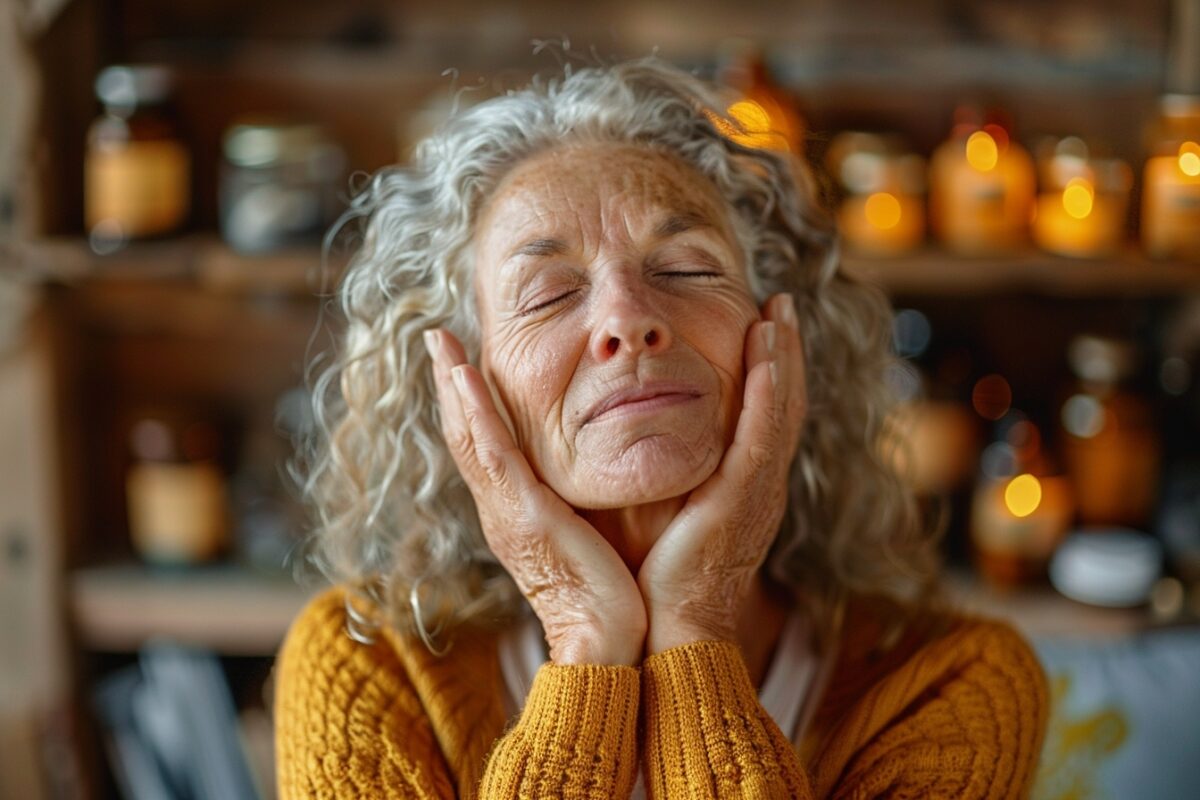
613 306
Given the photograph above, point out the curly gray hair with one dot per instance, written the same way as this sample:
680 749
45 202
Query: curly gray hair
394 520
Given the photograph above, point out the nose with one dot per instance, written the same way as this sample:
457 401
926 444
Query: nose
627 323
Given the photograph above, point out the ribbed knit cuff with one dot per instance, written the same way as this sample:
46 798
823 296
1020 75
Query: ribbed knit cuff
706 734
576 738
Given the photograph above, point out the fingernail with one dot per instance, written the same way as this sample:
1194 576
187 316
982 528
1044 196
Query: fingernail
460 379
432 344
773 368
769 335
789 311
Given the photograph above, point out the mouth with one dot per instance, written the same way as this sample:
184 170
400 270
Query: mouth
642 399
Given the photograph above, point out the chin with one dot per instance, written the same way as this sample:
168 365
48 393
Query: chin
652 469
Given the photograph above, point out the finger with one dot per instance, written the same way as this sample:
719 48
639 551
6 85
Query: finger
756 438
782 308
447 352
501 461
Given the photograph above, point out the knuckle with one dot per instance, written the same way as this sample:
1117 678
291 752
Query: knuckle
494 465
760 455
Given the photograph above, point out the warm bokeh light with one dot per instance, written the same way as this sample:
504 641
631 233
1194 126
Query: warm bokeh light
1023 495
758 128
882 210
982 152
1077 197
991 397
998 134
1189 159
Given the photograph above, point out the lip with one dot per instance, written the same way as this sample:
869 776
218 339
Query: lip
648 397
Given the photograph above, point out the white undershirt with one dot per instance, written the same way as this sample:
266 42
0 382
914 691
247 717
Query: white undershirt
794 675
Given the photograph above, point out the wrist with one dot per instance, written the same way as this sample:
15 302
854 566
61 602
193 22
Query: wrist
611 649
668 632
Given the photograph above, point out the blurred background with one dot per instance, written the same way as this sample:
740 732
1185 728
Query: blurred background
1022 178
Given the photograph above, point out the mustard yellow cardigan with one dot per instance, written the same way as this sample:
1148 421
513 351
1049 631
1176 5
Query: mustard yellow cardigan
954 710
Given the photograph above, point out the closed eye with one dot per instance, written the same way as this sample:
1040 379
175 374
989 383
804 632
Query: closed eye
548 303
688 274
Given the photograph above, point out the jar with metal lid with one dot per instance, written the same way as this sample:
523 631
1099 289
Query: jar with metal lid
278 183
882 212
137 170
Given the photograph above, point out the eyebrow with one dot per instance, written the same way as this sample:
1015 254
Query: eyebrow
540 247
680 222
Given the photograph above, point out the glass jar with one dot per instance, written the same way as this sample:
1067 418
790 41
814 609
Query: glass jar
279 183
1110 443
176 491
1171 195
137 171
1084 199
882 212
981 189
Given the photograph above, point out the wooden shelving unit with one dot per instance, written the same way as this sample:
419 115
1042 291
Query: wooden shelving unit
229 609
190 320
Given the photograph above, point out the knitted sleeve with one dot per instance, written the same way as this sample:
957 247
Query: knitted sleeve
350 724
576 738
706 733
963 718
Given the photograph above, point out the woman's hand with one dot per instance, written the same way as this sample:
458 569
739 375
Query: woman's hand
701 569
580 589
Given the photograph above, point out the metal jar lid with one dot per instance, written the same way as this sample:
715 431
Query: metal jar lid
258 142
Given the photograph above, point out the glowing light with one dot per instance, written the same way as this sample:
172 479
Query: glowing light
991 397
1077 197
1023 495
982 152
1083 416
1189 159
998 134
883 210
756 127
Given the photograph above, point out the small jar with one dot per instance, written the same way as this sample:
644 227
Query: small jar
176 492
1084 200
1171 195
1110 443
279 183
882 212
981 184
137 171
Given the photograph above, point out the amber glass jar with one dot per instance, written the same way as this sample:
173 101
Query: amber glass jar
137 171
1110 443
176 491
1171 194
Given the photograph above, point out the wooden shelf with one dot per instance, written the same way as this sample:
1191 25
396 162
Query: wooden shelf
210 263
202 259
1040 611
229 609
935 272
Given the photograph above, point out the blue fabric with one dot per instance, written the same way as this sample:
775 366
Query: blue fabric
1125 719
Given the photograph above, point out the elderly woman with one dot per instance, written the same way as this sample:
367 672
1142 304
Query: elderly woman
603 485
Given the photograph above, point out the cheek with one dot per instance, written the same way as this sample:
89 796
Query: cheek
531 371
717 331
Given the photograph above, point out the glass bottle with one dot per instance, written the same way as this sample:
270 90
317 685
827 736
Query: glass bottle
1110 443
137 171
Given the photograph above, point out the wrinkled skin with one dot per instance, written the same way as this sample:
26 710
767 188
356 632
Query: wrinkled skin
628 432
